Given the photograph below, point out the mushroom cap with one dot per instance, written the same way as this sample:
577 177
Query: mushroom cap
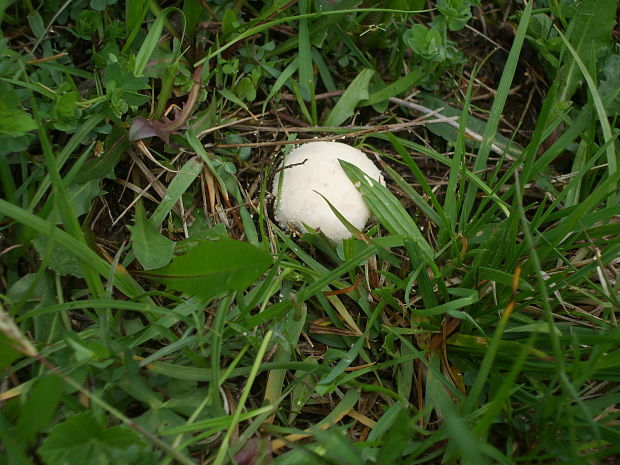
316 168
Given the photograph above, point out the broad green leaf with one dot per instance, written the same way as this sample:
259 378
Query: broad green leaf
65 106
88 22
100 5
245 89
214 267
123 281
10 144
229 22
39 407
590 34
14 121
83 439
427 43
456 13
152 249
356 92
36 23
159 420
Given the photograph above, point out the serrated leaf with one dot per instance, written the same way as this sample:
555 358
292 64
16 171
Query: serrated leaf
159 420
59 259
609 87
355 93
65 105
15 123
81 196
590 34
82 439
152 249
115 145
39 407
214 267
10 144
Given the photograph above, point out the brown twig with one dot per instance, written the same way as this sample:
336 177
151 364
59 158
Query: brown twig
364 130
454 122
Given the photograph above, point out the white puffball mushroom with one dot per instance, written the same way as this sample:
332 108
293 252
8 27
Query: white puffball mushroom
314 167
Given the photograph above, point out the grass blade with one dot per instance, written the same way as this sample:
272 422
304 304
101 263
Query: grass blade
496 110
386 208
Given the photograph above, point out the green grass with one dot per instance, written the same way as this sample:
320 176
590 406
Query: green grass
152 311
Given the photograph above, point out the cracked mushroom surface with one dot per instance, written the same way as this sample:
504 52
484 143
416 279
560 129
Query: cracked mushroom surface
312 168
